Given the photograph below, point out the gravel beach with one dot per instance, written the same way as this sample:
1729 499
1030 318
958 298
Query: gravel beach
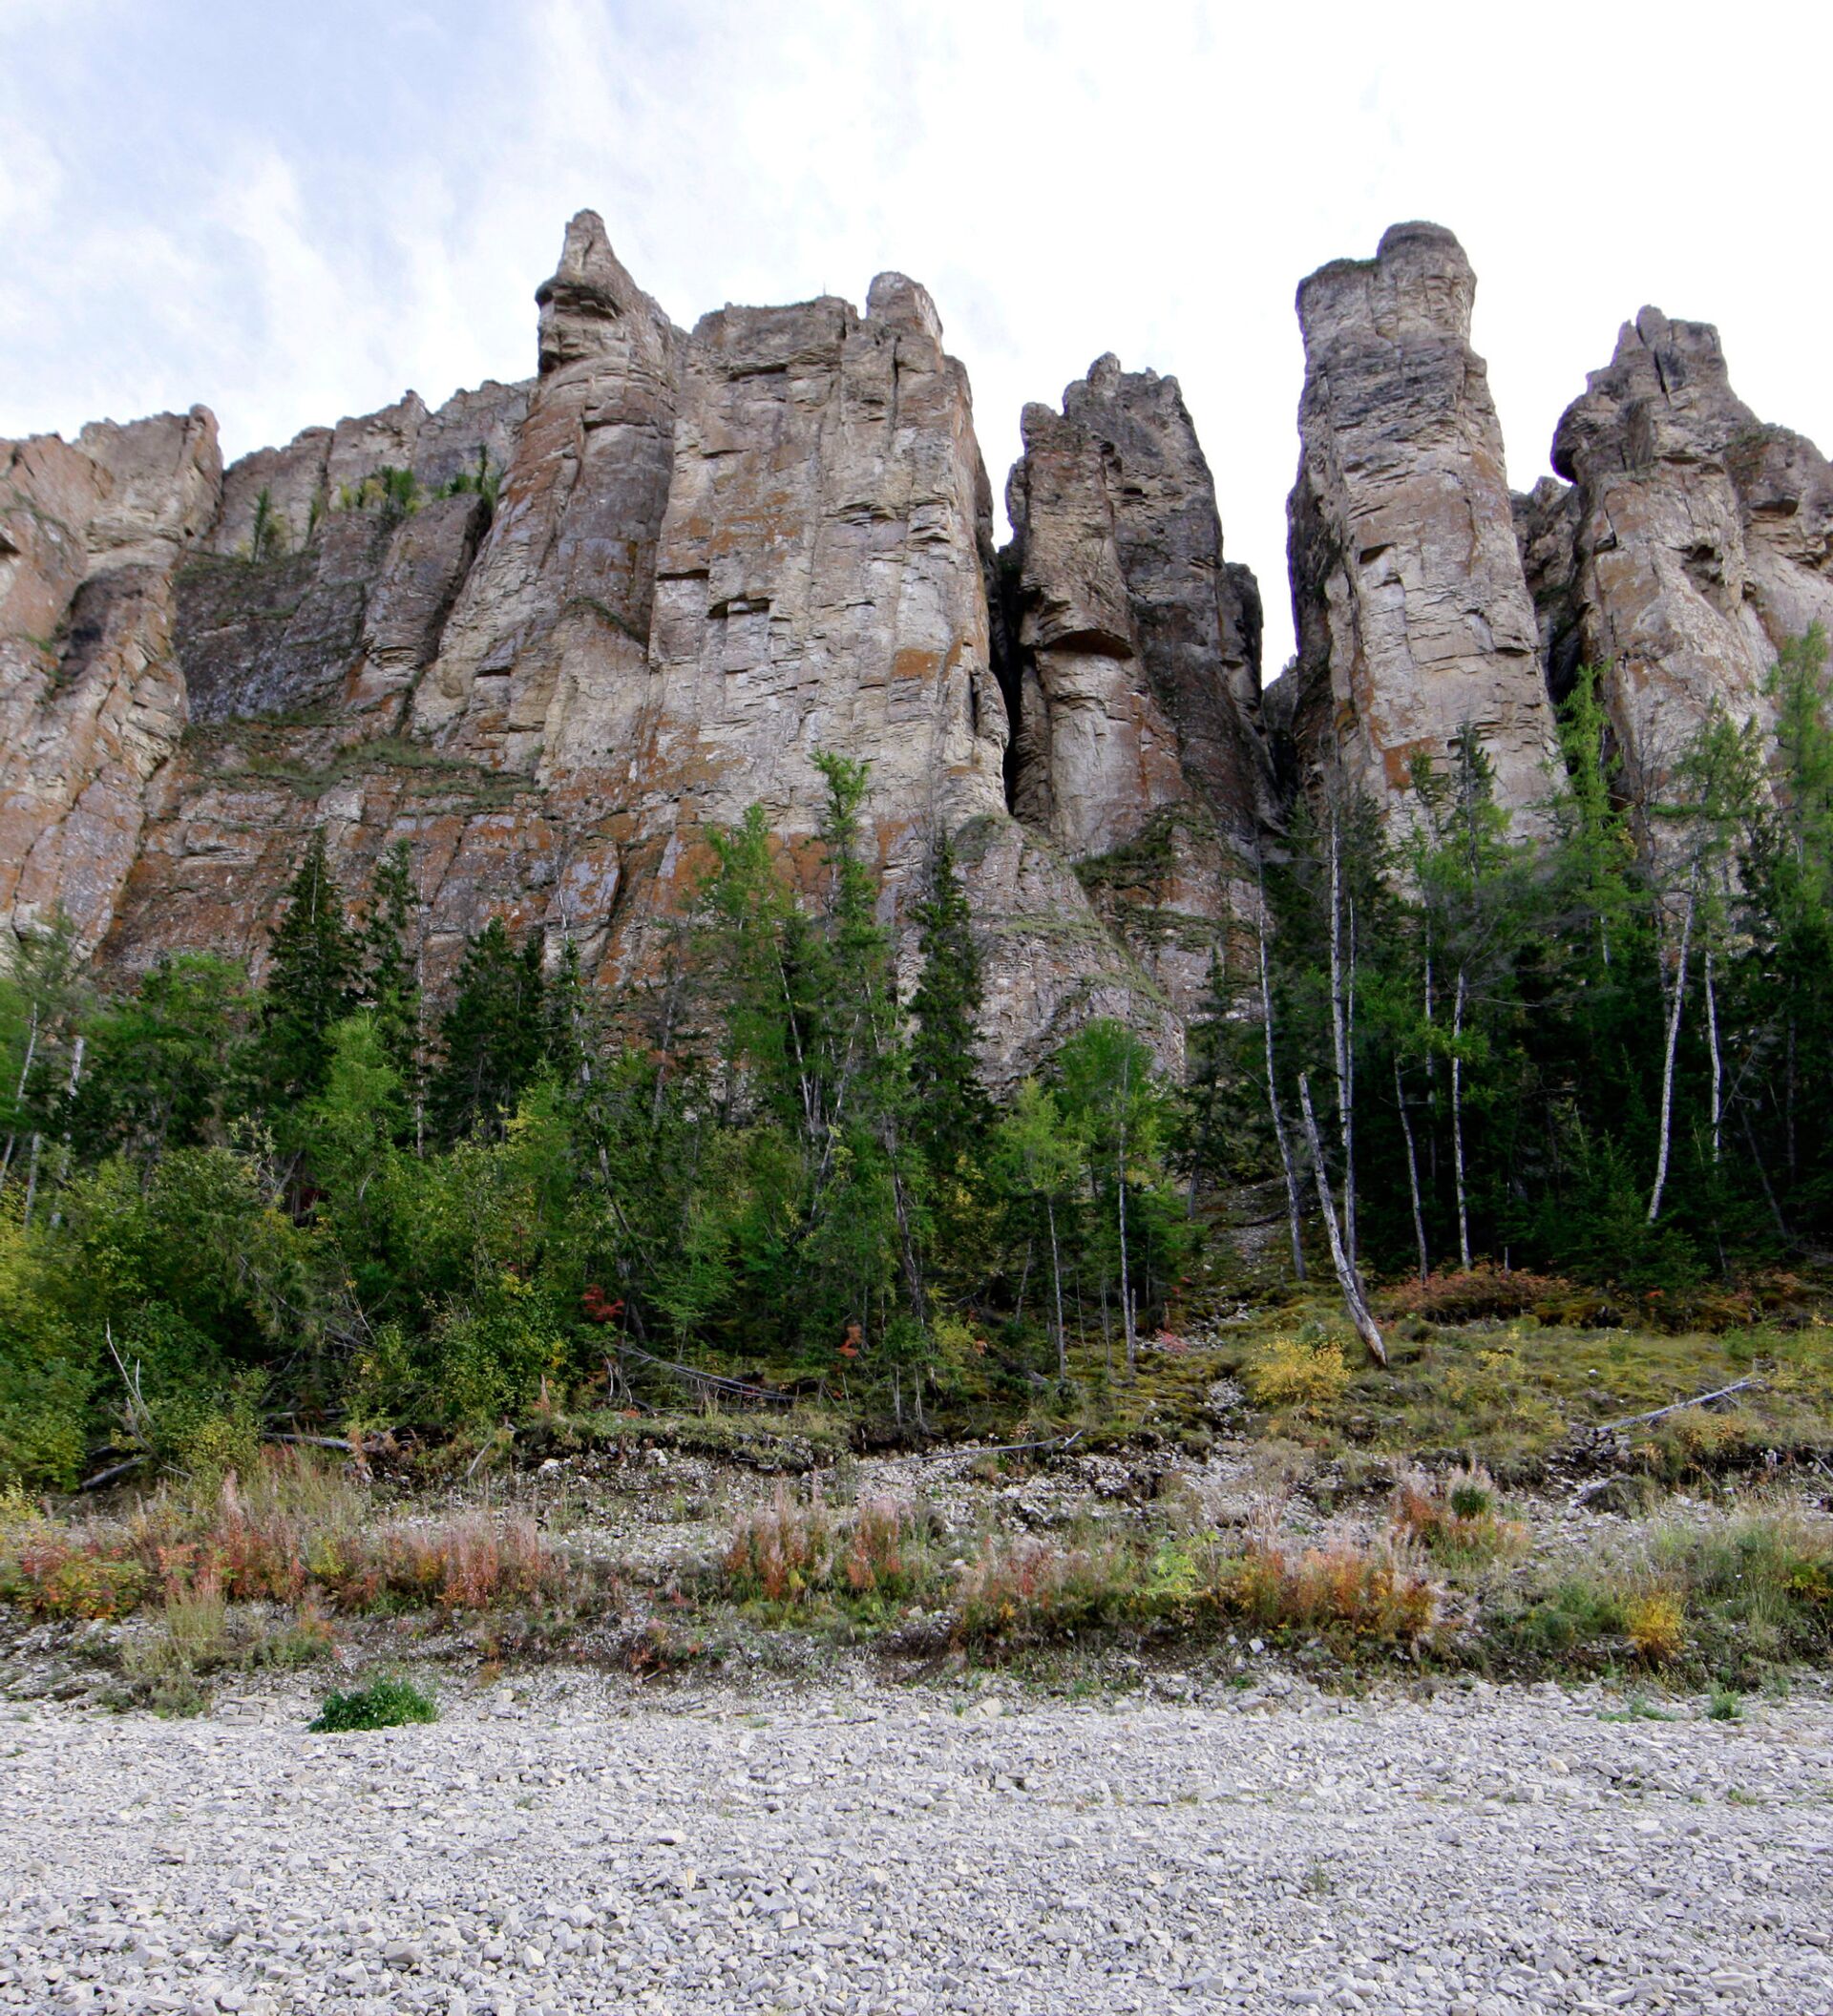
574 1844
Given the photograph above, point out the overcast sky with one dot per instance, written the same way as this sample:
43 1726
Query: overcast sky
292 211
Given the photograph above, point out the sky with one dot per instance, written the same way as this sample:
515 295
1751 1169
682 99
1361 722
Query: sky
296 212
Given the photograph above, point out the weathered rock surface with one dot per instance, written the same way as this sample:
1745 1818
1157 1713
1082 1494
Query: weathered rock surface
709 557
1412 610
92 702
1134 650
1700 539
555 632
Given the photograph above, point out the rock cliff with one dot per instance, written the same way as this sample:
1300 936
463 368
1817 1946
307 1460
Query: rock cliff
1693 542
1133 655
92 702
1412 611
548 634
552 633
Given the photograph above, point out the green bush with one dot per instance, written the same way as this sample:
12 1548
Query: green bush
383 1704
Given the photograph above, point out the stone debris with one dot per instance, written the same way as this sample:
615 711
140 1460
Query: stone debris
561 1844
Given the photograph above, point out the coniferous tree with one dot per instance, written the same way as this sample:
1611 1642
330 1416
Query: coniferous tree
492 1040
311 985
390 970
950 1110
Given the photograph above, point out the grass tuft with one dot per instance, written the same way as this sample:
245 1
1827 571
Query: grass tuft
383 1704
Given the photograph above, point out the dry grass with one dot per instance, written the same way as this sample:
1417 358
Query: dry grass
294 1533
793 1548
1030 1589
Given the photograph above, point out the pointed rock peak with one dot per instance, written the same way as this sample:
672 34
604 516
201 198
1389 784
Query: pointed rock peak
1665 392
590 293
1419 286
904 303
1103 376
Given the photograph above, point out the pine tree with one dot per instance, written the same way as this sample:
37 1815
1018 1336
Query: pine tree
565 1022
391 972
492 1040
311 985
950 1112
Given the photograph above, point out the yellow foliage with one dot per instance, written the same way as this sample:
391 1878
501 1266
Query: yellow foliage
1657 1625
1291 1373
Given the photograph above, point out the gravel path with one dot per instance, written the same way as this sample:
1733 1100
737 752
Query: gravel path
587 1847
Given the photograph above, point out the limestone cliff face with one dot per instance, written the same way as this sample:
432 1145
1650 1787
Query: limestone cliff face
553 633
707 556
1411 607
1135 654
1699 539
92 702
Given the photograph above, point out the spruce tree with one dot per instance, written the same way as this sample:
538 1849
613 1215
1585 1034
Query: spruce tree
950 1113
311 985
492 1038
390 975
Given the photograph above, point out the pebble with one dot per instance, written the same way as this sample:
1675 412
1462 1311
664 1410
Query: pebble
840 1850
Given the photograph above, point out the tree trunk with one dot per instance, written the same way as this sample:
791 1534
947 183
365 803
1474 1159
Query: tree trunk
1456 1124
1056 1283
70 1121
1294 1198
1366 1326
1412 1171
1718 1066
1340 1037
25 1079
1127 1325
1666 1063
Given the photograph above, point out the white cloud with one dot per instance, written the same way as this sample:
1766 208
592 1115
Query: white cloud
1066 178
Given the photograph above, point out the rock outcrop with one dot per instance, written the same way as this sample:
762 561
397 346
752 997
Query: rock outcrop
553 633
1135 653
1412 611
1694 541
92 702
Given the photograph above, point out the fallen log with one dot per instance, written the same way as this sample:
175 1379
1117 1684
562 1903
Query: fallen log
1655 1414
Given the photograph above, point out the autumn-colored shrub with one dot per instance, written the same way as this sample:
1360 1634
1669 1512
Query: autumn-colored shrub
1465 1296
1372 1592
292 1533
1455 1518
1297 1372
780 1550
794 1547
1028 1588
881 1556
52 1578
1657 1623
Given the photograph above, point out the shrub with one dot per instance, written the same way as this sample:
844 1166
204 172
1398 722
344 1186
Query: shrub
383 1704
1454 1519
793 1548
295 1528
1657 1625
781 1550
1373 1592
52 1578
1467 1294
1297 1372
191 1639
1029 1589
